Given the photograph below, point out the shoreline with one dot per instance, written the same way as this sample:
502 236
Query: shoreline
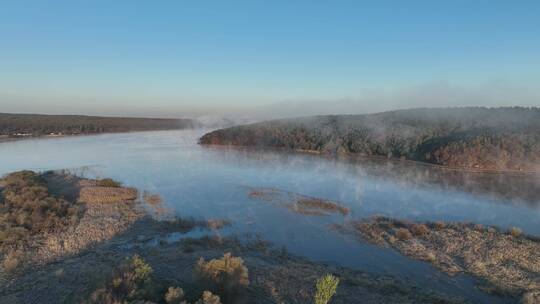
337 156
506 261
6 139
358 157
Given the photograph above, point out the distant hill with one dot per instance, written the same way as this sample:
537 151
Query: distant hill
477 138
23 125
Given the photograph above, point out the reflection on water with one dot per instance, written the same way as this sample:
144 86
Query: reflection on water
211 182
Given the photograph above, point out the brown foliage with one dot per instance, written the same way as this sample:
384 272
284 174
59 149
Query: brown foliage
419 229
104 195
403 234
475 138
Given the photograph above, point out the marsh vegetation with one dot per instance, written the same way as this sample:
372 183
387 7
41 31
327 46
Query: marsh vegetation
298 203
508 261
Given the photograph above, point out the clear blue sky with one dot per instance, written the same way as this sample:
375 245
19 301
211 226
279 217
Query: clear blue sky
107 56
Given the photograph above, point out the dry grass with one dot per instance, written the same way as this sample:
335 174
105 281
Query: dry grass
531 298
266 194
30 210
319 204
106 195
510 263
298 203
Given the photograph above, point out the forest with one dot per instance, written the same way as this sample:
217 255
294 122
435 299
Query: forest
506 138
20 125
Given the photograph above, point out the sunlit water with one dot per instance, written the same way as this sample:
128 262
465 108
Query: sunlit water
210 182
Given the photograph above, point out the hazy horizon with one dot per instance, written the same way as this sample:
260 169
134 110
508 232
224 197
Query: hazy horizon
429 96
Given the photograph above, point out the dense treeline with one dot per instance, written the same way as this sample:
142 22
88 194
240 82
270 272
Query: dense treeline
475 137
37 125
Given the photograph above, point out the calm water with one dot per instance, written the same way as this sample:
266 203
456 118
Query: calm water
213 183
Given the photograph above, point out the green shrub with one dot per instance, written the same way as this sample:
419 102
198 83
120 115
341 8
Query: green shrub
326 289
131 281
226 276
109 182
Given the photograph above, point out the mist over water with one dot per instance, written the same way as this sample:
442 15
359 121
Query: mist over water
212 182
172 164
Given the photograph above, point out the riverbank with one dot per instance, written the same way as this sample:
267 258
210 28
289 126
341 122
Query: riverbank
361 157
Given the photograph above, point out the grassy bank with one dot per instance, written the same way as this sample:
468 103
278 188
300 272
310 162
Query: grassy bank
507 261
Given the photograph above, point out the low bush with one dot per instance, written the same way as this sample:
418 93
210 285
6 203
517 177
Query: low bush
226 276
419 229
515 232
403 234
109 182
174 295
131 281
479 227
532 297
439 225
326 289
209 298
11 261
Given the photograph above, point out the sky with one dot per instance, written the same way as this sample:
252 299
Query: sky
274 58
